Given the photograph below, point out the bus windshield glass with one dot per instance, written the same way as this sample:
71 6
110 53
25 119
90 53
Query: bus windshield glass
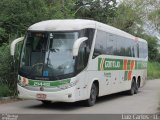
48 55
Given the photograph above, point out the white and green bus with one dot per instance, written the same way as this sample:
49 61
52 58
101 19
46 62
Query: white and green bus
79 60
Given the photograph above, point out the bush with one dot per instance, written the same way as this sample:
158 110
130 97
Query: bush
7 74
5 91
153 70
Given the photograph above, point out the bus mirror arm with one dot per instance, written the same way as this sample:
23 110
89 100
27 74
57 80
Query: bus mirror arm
13 45
77 44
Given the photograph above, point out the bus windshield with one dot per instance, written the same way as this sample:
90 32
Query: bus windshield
48 55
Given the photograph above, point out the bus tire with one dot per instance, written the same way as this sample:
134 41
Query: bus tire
93 96
139 82
136 88
132 90
44 102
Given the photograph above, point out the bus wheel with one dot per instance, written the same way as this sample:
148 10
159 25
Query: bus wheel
93 95
136 88
139 82
46 102
133 87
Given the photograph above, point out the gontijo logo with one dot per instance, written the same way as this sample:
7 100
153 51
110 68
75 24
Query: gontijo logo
120 64
109 64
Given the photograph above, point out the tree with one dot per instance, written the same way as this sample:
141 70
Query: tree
102 11
127 18
153 53
154 16
17 15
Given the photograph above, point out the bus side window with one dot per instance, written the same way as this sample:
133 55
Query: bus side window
120 46
111 45
100 44
132 51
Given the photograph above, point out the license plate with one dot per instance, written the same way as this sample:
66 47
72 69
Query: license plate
41 96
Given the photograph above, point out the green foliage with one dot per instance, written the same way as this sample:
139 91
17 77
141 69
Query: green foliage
17 15
153 70
102 11
154 16
126 18
153 53
5 91
152 47
6 66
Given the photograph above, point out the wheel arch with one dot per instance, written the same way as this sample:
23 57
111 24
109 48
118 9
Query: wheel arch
96 82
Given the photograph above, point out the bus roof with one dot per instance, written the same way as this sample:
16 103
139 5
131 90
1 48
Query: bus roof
78 24
63 25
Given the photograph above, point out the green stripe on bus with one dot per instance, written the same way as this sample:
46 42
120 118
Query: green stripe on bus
136 66
117 64
56 83
48 83
99 63
125 75
128 64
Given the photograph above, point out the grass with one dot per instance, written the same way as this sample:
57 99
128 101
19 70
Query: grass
5 91
153 70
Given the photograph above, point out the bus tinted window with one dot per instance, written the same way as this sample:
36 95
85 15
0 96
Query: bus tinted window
111 45
128 48
100 44
120 46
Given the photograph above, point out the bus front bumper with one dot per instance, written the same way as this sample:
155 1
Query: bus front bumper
67 95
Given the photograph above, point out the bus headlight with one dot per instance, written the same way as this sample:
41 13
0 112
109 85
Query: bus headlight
23 81
69 85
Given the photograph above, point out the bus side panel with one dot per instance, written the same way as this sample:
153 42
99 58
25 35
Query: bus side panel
110 81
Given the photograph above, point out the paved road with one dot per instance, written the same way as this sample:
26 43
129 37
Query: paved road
146 101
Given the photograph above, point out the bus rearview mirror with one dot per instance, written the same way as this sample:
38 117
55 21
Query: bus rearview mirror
13 45
77 44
